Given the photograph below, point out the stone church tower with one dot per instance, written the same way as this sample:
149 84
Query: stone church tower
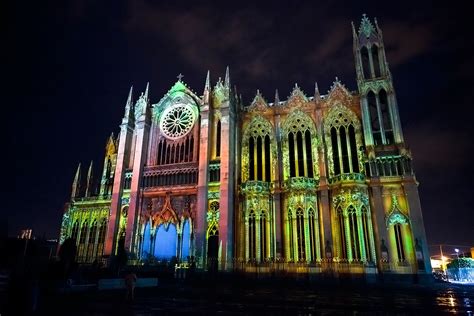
301 185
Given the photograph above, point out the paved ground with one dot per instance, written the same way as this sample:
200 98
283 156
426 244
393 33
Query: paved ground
252 297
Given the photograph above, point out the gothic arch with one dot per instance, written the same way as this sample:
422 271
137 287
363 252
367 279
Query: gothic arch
258 134
299 131
342 126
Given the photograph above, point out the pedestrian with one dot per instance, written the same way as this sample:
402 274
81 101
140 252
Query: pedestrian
130 281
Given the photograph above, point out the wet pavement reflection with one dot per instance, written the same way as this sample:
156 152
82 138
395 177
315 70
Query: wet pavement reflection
275 298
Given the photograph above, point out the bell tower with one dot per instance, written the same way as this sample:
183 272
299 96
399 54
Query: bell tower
379 105
396 208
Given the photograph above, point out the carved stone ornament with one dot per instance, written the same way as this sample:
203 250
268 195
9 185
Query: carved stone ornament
177 121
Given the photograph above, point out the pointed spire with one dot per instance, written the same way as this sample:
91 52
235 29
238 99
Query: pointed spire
227 77
129 104
354 32
316 91
129 99
89 180
277 98
76 182
366 26
207 86
146 90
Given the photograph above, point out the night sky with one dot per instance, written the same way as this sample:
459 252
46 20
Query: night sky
67 67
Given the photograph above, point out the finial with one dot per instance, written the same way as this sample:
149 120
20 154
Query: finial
207 85
146 90
180 76
277 97
129 99
227 77
75 183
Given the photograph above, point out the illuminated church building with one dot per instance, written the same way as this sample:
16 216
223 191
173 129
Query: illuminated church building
308 181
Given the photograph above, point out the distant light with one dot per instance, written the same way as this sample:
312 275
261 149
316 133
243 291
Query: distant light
457 250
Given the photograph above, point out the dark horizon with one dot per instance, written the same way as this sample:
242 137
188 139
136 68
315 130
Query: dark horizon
70 65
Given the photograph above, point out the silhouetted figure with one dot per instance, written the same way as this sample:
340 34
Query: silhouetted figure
130 281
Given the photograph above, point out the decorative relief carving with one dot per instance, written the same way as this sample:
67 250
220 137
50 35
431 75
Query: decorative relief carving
351 197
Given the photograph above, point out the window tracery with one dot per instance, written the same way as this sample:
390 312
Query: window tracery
258 154
299 146
343 135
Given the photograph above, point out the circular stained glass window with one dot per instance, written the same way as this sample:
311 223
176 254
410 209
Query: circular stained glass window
177 121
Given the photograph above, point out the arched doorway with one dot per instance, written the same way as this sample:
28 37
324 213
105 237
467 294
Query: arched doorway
212 248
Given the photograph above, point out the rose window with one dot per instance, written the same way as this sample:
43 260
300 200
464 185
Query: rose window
177 121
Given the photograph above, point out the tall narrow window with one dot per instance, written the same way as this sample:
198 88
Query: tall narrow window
263 236
300 234
251 159
191 148
399 241
160 146
92 235
335 151
387 123
101 238
365 225
344 153
374 118
82 241
75 230
259 158
218 139
252 236
290 235
267 159
365 62
291 153
186 150
299 142
342 234
353 146
313 231
354 234
375 59
309 153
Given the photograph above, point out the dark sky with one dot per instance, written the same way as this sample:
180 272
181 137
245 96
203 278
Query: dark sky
68 65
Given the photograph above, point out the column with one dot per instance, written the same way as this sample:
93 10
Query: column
141 145
229 137
202 198
116 203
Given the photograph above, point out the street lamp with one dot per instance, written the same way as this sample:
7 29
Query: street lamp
457 252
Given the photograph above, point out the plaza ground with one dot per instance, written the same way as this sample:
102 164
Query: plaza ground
233 297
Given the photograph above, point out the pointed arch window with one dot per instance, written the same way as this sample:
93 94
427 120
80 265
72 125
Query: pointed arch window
92 240
263 235
354 234
376 61
313 235
291 236
299 128
252 236
366 231
342 234
218 139
300 240
101 238
343 140
257 139
399 242
364 53
82 241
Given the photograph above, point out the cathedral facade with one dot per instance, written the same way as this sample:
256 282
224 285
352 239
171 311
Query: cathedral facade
309 182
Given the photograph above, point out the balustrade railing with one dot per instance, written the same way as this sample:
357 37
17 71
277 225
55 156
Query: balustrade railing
347 177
